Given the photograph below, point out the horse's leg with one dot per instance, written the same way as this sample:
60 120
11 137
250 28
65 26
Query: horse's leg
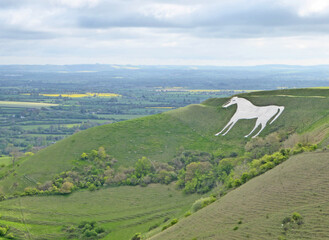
262 128
256 126
233 123
228 124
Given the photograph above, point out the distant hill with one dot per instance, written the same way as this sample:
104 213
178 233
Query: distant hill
256 210
159 137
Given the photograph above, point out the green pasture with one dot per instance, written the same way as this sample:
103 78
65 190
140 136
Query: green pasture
122 211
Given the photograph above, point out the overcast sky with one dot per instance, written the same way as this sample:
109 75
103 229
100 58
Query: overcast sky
188 32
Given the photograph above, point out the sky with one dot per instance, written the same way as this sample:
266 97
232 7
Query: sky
158 32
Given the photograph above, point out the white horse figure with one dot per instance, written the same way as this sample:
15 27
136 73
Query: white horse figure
246 110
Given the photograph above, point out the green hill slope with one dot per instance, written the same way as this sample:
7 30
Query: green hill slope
256 209
121 211
158 137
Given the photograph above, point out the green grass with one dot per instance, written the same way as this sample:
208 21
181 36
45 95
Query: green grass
159 136
5 160
26 104
120 210
258 207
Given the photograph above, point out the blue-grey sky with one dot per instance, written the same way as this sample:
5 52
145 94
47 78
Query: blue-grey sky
188 32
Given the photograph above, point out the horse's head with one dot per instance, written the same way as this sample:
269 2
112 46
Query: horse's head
233 100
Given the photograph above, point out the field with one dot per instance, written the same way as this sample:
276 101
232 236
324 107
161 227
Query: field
78 95
25 104
256 209
122 211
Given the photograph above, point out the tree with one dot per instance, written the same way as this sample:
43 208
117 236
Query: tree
66 187
15 154
142 167
101 153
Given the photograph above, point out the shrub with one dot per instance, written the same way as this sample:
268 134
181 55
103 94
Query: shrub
286 220
10 236
99 230
90 233
137 236
3 231
92 187
66 187
29 154
188 213
154 226
245 177
2 197
202 202
174 221
296 216
237 183
164 227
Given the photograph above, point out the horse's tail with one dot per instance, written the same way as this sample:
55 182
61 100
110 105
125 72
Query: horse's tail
280 111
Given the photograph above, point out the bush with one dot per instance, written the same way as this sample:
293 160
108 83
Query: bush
3 231
90 233
99 230
202 202
296 216
188 213
10 236
137 236
154 226
66 187
165 227
286 220
237 183
174 221
92 187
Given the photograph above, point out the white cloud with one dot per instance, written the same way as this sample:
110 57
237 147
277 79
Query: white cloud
168 11
76 3
235 32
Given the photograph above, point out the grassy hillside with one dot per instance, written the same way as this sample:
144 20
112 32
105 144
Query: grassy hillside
121 211
158 137
256 209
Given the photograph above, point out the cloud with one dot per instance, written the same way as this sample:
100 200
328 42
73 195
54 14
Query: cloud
167 30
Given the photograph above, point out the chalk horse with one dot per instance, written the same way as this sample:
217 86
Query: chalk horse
246 110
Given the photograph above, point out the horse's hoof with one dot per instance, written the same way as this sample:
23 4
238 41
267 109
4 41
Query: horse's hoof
246 136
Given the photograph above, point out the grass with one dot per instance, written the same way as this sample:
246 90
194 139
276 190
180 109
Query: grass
298 185
159 136
25 104
120 210
5 160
